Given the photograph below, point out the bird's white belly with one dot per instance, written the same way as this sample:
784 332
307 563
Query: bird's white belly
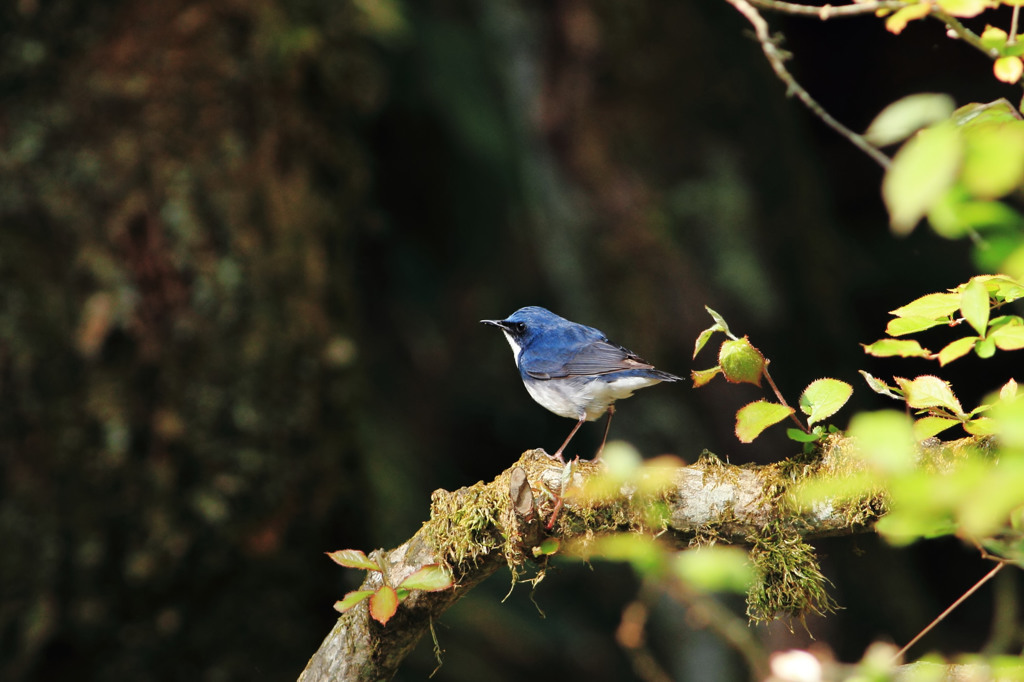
584 396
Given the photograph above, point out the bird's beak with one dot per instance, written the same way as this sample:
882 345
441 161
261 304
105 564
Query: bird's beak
500 324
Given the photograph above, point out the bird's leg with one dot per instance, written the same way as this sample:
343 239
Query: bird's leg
607 427
558 454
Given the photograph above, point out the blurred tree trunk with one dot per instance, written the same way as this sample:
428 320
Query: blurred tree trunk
181 184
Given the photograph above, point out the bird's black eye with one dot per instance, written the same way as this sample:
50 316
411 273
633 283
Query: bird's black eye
518 327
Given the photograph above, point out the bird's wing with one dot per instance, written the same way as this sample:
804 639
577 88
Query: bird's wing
596 357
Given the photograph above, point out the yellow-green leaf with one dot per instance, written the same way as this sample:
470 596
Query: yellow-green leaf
901 17
703 338
922 170
900 326
981 426
714 569
703 376
885 440
429 578
823 398
903 348
353 558
974 305
757 416
931 306
993 159
926 427
351 599
985 348
906 116
1008 391
966 8
1008 337
956 349
993 37
644 553
929 391
879 386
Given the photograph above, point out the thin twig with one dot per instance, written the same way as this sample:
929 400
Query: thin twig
1013 25
782 399
776 60
941 616
962 32
825 12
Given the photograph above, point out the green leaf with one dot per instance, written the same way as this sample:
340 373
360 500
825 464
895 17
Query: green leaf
931 306
353 558
957 349
974 305
985 348
993 38
984 514
644 554
702 376
741 362
994 159
904 15
956 214
926 427
904 348
910 325
880 387
429 578
921 171
719 322
547 547
1009 416
703 338
823 398
351 599
906 116
1006 288
902 529
715 569
1008 391
929 391
982 426
383 604
803 437
885 440
1008 337
622 462
754 418
975 113
965 8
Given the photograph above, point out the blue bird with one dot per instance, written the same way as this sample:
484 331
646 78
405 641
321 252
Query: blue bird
572 369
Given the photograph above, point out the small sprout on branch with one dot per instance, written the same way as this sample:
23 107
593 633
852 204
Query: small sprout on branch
385 599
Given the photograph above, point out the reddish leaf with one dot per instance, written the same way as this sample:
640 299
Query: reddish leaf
383 604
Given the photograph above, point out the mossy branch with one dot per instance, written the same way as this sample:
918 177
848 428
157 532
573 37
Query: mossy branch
477 529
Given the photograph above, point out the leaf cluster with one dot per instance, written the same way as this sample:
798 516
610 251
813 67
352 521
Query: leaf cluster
384 600
739 361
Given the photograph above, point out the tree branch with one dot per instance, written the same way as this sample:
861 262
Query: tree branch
477 529
776 58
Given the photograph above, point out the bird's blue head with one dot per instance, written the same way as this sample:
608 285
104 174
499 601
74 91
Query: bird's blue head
526 324
534 324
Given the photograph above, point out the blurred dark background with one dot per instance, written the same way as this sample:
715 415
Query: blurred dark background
244 249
